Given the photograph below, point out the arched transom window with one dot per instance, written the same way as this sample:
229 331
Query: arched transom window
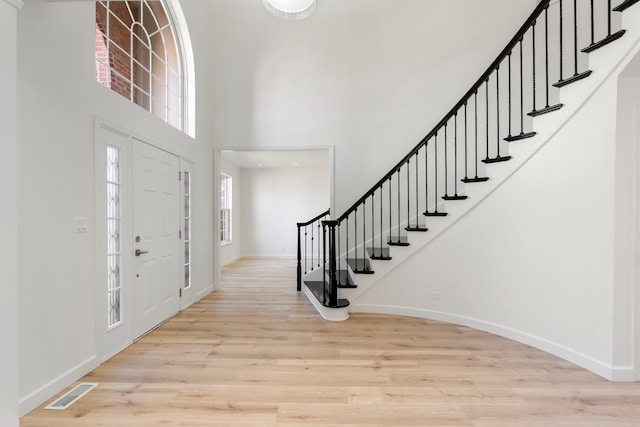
138 55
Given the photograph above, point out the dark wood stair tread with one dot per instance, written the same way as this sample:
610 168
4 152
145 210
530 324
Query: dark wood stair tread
398 241
379 253
475 179
573 79
605 41
520 136
360 265
318 290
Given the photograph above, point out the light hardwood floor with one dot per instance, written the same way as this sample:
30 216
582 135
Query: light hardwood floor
256 353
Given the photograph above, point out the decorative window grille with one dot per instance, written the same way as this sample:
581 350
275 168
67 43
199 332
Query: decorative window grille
187 230
138 56
225 208
114 226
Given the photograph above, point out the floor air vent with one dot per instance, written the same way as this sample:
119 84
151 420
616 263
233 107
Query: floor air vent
72 396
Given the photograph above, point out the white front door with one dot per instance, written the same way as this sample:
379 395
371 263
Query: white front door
156 245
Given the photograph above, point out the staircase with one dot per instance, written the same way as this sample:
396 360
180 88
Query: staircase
499 123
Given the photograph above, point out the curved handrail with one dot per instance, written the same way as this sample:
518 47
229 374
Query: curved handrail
482 80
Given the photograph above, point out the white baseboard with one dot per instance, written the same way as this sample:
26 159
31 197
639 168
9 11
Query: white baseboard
203 293
331 314
608 372
36 398
272 256
230 261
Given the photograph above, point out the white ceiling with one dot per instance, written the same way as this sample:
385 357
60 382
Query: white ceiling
255 159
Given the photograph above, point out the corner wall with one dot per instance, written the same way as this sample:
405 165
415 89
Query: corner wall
8 215
273 201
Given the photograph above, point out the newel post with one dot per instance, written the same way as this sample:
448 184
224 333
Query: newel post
299 259
333 276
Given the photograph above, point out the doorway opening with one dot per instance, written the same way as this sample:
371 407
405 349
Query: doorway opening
271 190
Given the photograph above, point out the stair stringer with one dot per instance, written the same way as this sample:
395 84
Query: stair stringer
606 63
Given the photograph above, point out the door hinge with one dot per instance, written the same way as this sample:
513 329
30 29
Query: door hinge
179 234
180 292
179 175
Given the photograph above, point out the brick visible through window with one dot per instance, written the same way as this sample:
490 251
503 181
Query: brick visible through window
137 56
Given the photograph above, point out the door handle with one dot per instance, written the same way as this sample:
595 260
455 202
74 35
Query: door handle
139 252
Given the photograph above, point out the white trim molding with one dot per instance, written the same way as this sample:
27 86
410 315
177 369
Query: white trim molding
15 3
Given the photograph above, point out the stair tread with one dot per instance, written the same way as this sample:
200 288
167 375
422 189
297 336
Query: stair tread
520 136
398 241
454 197
605 41
573 79
417 227
545 110
496 159
344 280
317 288
360 265
475 179
625 5
379 253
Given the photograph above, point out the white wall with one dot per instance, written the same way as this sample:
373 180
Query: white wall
8 216
231 252
58 101
273 201
370 77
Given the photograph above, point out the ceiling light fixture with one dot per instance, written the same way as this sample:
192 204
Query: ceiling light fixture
290 10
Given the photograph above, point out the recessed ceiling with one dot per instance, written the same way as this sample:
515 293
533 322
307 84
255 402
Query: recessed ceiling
270 159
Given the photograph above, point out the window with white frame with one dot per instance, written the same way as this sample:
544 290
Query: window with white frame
187 229
225 208
138 56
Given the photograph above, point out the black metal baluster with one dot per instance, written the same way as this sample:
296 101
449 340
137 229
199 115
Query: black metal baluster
533 62
523 134
417 195
561 43
381 216
466 151
475 100
408 193
347 242
373 224
455 154
390 212
510 110
486 110
609 37
498 111
455 170
593 40
399 204
319 241
576 75
446 163
608 18
547 108
426 177
355 239
476 178
364 234
575 37
305 249
435 164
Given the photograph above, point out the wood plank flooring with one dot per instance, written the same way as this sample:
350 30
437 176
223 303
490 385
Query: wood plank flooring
256 353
